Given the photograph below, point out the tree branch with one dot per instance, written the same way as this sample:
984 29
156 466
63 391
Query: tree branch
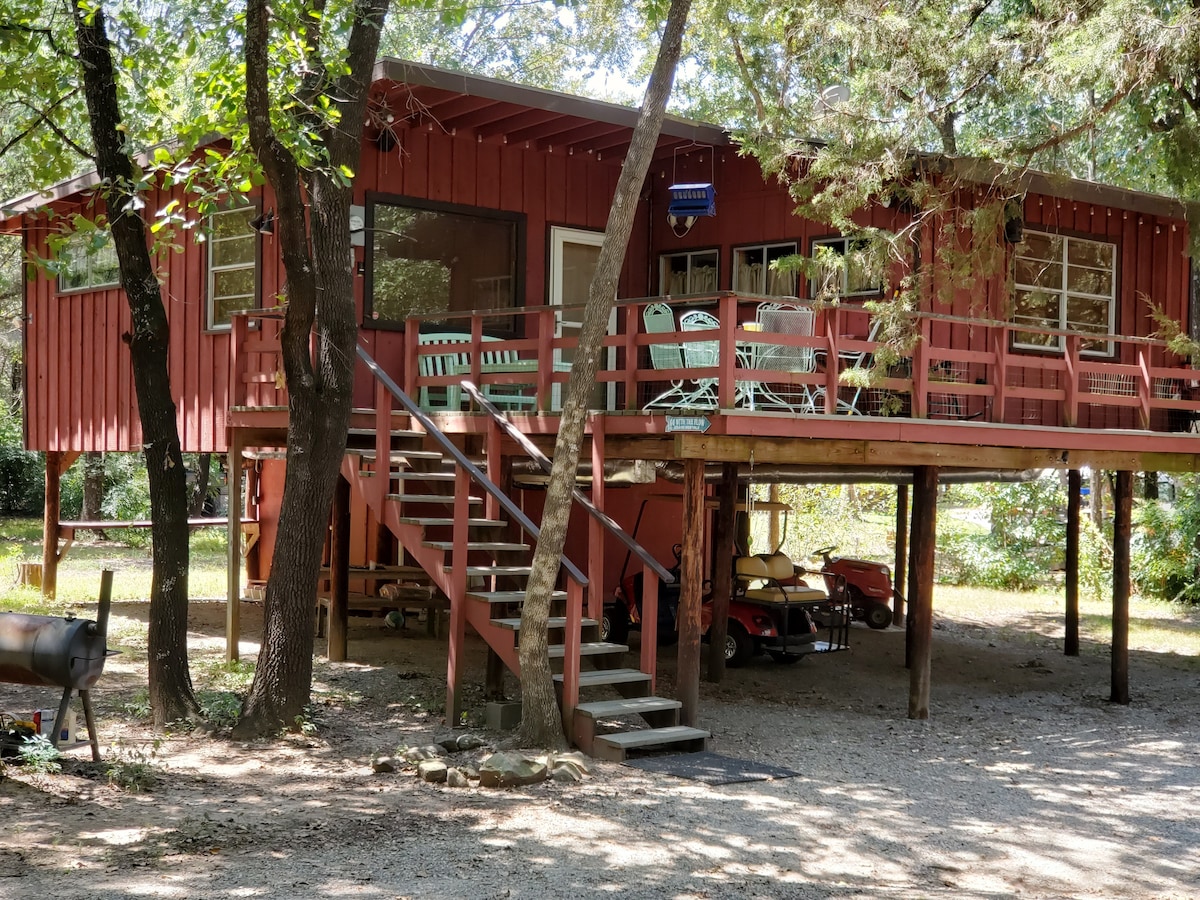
1074 132
760 108
44 116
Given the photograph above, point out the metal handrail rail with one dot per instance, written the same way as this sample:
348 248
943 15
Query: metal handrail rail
544 463
461 460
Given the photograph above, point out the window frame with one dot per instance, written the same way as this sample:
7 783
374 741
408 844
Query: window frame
500 326
1105 349
792 248
78 242
845 292
211 270
689 255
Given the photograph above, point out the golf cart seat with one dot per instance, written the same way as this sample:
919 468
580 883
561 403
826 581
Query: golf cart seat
762 579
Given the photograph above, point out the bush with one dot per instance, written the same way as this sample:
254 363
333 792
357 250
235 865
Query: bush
1164 556
22 474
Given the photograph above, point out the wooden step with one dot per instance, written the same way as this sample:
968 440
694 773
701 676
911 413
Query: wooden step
488 571
430 498
632 706
616 747
413 475
477 545
438 521
589 648
402 433
609 676
514 624
398 457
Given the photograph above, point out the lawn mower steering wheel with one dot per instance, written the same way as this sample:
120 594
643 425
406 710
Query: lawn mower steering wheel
824 551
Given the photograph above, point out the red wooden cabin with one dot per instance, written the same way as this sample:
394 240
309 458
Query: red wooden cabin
480 209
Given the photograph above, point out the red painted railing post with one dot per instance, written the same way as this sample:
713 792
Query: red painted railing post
571 642
494 461
1071 382
1145 386
632 316
595 570
411 333
727 350
237 360
547 319
920 373
649 662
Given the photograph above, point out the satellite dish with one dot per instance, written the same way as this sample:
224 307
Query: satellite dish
833 95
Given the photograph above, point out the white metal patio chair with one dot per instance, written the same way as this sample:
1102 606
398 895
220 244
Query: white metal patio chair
790 319
702 354
659 318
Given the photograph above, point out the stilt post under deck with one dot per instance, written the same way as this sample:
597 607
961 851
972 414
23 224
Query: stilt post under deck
50 523
690 589
1122 526
723 570
339 573
233 596
920 601
901 555
1071 617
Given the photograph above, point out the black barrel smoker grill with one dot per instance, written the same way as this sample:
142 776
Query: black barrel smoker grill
61 652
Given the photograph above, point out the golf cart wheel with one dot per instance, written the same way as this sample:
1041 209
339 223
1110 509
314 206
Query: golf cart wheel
785 659
614 625
878 615
739 647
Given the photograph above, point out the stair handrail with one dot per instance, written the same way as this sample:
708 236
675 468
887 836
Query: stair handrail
522 440
461 460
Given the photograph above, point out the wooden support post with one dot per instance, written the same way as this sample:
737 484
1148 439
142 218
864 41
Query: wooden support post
920 601
50 524
723 570
901 555
1122 526
690 588
1071 619
233 596
339 572
455 657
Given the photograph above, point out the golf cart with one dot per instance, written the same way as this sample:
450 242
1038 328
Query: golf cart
753 628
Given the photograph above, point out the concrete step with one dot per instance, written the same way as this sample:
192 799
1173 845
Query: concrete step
617 747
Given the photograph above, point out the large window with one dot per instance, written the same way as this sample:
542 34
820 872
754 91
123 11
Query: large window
1067 284
232 264
88 261
845 267
694 272
428 259
755 272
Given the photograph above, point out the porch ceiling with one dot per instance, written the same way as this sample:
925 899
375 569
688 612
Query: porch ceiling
413 96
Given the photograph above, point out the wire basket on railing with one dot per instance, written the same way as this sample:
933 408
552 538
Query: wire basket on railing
1112 384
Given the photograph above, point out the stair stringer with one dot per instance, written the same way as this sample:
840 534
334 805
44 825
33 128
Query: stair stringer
433 562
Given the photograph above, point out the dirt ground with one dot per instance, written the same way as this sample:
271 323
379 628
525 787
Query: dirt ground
1024 782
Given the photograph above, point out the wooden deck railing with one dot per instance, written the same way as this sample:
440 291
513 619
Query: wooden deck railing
959 368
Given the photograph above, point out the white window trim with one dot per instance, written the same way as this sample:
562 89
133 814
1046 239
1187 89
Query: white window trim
210 305
844 242
690 256
79 243
1106 348
763 289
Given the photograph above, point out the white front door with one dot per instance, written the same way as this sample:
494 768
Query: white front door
573 257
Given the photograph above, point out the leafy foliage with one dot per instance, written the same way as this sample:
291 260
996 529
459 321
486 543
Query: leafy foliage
1165 551
22 474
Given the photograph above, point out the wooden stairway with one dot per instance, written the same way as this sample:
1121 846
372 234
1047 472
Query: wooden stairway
421 494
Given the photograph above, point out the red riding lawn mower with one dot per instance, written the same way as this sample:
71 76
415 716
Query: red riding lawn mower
868 585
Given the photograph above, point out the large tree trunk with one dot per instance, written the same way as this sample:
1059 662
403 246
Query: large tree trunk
541 723
93 489
171 695
314 234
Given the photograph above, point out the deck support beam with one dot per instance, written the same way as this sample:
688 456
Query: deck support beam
339 573
723 569
233 596
901 555
50 523
920 611
1122 526
1071 617
690 590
